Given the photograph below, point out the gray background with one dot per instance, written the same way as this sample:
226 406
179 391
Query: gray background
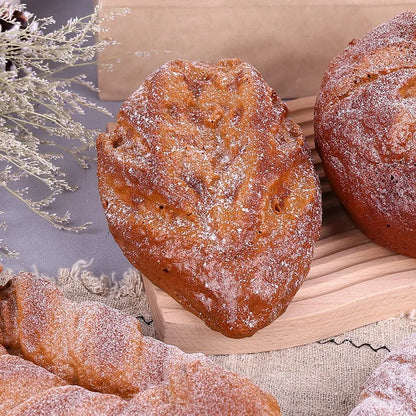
38 242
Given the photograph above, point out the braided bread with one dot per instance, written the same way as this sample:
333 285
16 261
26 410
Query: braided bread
391 388
210 191
365 124
59 357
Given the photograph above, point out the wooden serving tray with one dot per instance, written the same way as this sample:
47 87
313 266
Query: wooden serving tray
352 282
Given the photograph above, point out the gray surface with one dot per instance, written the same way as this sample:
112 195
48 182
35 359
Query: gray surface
38 242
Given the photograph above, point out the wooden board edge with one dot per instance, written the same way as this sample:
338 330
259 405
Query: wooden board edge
328 316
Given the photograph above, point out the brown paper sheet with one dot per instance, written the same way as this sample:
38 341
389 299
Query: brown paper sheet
289 42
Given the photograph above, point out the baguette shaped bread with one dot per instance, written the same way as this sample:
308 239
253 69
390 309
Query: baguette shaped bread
88 359
365 126
210 191
391 388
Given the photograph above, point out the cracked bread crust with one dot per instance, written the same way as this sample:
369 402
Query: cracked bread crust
365 132
210 191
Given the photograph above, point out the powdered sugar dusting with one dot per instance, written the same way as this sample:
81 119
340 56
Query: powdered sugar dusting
391 389
88 359
211 192
365 119
20 380
70 401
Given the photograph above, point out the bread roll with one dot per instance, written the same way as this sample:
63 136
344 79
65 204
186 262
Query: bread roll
88 359
365 126
391 388
210 191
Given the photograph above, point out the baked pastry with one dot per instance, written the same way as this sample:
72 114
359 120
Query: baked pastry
391 388
210 191
365 126
68 358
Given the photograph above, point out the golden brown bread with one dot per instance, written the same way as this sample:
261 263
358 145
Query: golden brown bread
391 388
210 191
88 359
365 127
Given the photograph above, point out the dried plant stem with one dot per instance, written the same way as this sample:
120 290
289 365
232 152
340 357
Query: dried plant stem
35 98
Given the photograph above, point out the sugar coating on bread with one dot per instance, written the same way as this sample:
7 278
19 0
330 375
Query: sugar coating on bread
391 388
66 358
365 124
21 379
210 191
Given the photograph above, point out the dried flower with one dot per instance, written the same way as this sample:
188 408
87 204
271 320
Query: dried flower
34 98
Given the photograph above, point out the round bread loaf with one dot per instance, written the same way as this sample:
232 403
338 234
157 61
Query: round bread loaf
365 132
210 191
391 388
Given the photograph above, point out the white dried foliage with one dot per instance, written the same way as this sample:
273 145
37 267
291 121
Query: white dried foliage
35 97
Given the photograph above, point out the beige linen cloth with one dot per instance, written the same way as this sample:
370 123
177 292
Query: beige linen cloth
323 378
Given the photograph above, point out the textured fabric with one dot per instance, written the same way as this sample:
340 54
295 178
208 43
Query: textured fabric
322 378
